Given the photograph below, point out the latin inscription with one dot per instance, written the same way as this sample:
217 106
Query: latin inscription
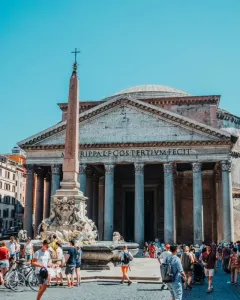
133 153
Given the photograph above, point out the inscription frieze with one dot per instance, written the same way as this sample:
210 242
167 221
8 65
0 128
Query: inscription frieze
134 153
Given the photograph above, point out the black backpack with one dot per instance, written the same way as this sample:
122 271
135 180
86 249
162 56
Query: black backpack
166 271
126 258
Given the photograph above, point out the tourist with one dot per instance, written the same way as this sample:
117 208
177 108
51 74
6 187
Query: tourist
40 261
71 264
125 257
12 248
187 260
28 250
225 257
152 250
234 265
162 256
145 250
219 252
4 260
53 244
78 264
17 249
175 287
209 261
202 248
59 263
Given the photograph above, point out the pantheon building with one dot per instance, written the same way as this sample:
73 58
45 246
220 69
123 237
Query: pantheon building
154 162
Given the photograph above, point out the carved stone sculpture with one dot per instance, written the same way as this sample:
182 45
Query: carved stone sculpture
68 221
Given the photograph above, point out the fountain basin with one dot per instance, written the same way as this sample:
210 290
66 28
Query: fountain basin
99 256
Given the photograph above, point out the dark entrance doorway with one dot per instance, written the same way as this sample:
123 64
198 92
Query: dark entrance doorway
129 216
149 216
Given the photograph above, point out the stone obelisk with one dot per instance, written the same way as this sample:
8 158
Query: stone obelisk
69 187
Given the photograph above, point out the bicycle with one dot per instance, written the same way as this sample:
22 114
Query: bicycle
23 276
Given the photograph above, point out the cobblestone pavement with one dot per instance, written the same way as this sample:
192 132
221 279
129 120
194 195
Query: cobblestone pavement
113 290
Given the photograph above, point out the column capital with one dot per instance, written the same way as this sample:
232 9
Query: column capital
82 168
56 169
226 165
168 168
29 169
109 168
196 167
139 167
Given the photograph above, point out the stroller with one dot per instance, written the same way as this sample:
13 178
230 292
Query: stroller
198 273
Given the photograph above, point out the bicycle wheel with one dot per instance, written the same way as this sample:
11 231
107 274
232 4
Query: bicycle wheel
17 282
6 279
33 281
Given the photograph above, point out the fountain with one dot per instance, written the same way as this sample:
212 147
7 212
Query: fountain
68 220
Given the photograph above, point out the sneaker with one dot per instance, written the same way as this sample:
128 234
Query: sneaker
61 284
129 283
209 290
121 282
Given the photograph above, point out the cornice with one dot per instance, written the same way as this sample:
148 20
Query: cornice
131 145
212 99
225 115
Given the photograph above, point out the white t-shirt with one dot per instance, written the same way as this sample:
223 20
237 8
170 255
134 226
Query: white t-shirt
42 258
12 248
122 257
164 255
59 253
28 249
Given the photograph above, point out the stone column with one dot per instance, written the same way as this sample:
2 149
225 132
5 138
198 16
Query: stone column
168 204
89 191
39 199
101 207
218 188
28 209
55 185
109 202
95 198
82 178
197 204
227 204
47 196
139 204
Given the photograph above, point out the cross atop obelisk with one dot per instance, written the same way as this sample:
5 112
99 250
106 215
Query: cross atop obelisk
75 53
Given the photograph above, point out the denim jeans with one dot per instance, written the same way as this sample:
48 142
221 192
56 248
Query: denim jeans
175 289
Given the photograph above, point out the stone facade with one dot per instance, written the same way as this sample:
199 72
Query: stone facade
151 165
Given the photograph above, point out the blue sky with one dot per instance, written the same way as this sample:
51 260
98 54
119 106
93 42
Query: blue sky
190 45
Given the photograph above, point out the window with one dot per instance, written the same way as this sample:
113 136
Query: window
13 189
0 184
12 213
0 172
13 176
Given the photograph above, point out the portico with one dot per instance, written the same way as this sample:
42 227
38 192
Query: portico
147 171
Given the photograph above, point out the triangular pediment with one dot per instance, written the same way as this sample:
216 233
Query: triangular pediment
130 121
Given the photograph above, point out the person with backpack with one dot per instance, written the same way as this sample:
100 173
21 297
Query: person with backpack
172 273
187 260
125 257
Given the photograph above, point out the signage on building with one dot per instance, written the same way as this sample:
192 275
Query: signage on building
134 153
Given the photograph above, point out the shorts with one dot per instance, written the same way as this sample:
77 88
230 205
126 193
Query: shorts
42 280
70 269
209 272
78 265
28 256
175 289
124 270
4 263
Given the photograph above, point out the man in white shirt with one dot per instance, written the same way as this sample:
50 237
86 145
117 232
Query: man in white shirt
162 257
12 248
40 261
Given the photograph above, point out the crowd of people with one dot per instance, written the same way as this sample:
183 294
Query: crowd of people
189 264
